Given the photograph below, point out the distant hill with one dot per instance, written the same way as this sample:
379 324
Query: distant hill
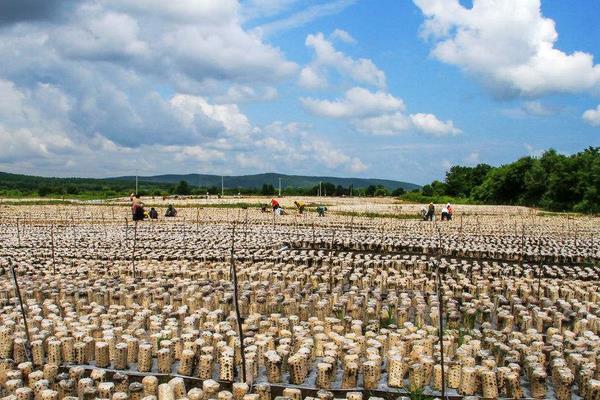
256 181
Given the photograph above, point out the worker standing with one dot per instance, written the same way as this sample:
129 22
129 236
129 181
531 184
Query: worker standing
430 212
137 207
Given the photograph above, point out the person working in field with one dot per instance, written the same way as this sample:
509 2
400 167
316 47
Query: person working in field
445 213
275 205
424 213
321 211
153 214
277 209
430 212
137 207
171 211
300 206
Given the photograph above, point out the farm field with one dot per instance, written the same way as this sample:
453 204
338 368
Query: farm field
368 301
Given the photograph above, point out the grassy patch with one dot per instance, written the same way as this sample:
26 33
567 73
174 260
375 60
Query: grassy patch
558 214
37 202
414 197
201 205
375 215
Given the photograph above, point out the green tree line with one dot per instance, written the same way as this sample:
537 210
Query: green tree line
12 185
552 181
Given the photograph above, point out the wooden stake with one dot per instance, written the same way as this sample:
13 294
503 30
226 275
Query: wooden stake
184 238
18 233
126 231
539 269
273 219
133 250
246 227
52 244
73 228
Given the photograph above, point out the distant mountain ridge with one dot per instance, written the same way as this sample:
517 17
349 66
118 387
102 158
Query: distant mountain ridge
257 180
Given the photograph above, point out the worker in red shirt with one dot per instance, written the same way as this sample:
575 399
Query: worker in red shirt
275 204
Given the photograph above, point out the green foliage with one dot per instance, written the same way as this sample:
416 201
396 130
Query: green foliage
398 192
12 185
44 191
183 188
376 191
462 332
555 182
417 394
267 190
389 319
427 190
460 181
381 192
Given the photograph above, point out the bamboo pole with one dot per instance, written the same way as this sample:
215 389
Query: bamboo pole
440 297
330 261
23 314
236 304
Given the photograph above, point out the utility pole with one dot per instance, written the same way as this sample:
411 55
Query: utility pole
136 182
279 187
319 188
222 187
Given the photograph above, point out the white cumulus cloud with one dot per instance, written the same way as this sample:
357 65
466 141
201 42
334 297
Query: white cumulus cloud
378 113
327 57
429 123
356 102
592 116
343 36
509 45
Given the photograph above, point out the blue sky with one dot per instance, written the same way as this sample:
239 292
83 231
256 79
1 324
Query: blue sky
370 88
